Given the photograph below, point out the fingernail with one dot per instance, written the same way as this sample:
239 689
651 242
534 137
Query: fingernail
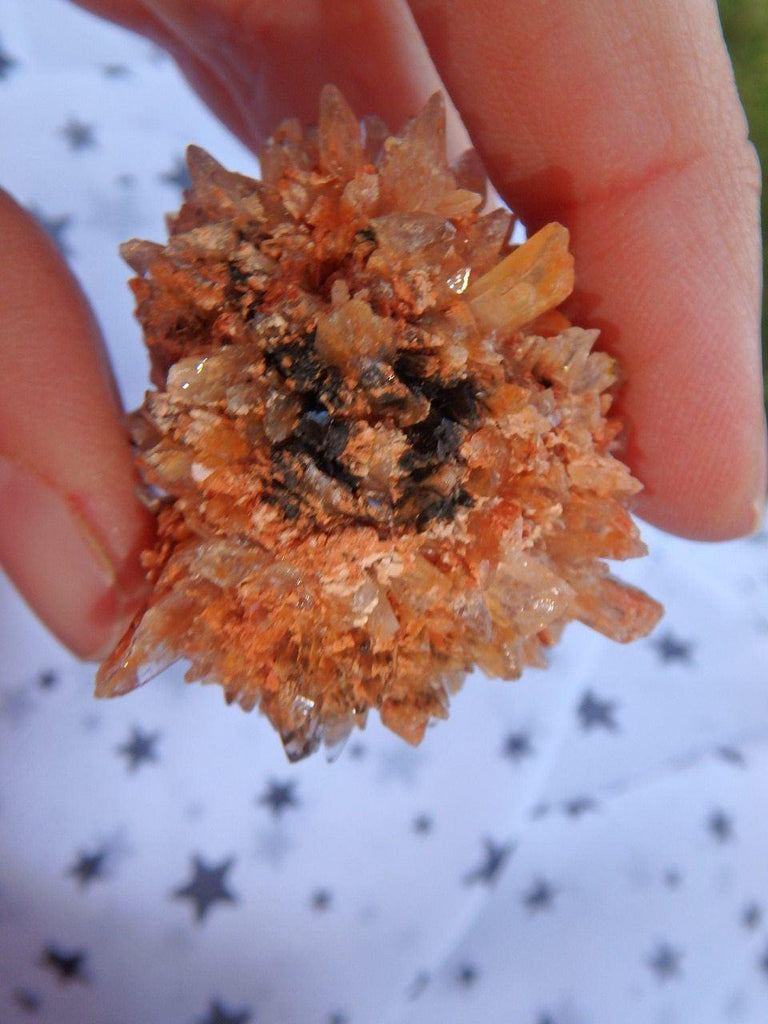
758 516
58 564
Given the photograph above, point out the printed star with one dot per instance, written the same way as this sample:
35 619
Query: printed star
579 805
321 899
466 975
47 679
540 896
114 70
418 985
665 962
752 915
671 648
721 826
337 1018
279 796
539 811
88 866
16 704
178 175
7 63
672 878
732 755
593 711
495 858
219 1014
140 748
68 966
422 824
54 227
207 886
356 751
78 134
27 1000
517 745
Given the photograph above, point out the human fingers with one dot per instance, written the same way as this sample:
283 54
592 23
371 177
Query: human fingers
607 130
257 62
133 15
620 118
71 527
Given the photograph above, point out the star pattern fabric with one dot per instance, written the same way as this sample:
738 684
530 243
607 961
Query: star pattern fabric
207 886
584 846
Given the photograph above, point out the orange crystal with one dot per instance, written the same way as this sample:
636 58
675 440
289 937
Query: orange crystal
378 454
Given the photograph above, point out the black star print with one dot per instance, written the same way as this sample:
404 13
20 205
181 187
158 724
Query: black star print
88 866
140 748
178 175
720 825
517 745
671 648
7 63
488 872
539 896
466 975
207 886
54 227
47 679
279 796
752 915
16 704
731 755
219 1014
78 134
337 1017
422 824
321 899
115 70
27 1000
357 751
672 878
579 805
665 962
545 1018
418 985
68 966
593 711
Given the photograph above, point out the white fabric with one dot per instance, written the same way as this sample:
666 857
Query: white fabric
586 846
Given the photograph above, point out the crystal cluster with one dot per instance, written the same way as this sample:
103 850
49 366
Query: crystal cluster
378 453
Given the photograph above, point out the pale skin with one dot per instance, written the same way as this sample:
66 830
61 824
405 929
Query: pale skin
618 118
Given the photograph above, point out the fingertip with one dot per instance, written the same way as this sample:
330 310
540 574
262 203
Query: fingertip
59 564
71 525
706 485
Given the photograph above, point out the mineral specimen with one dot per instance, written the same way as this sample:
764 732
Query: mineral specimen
378 454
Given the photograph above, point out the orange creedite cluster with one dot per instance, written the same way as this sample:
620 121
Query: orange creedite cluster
378 455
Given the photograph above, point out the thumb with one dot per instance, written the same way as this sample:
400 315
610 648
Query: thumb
71 526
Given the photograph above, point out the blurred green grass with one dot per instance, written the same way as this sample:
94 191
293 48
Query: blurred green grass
745 26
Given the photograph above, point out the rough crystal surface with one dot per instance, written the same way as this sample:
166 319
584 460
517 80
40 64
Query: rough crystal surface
378 454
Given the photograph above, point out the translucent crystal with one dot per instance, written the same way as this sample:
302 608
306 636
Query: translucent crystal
532 279
378 452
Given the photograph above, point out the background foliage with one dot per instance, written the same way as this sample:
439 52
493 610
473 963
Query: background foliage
745 24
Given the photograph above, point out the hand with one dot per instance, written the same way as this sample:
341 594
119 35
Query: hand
617 117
